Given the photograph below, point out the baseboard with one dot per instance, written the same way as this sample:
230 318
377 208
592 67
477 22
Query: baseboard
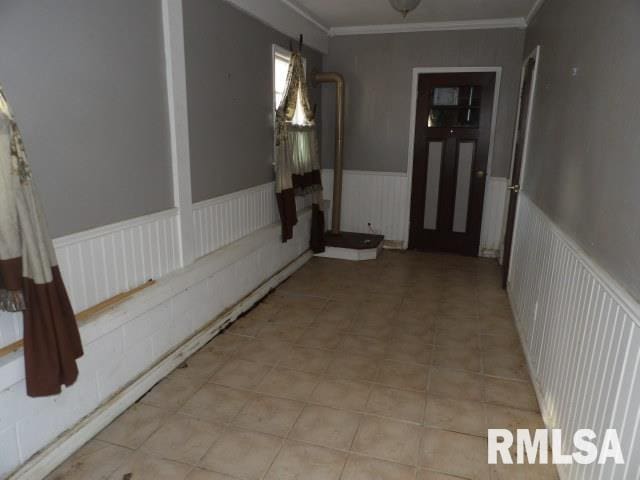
62 448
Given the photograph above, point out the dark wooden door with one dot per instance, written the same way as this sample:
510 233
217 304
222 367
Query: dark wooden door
451 148
514 189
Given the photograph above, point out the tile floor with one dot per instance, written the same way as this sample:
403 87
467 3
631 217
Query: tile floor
385 370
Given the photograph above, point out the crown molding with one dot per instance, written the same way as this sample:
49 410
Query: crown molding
518 22
305 14
289 19
534 9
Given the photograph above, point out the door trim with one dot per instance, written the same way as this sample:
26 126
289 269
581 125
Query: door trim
535 54
417 71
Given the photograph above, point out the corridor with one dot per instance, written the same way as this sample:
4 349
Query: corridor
384 370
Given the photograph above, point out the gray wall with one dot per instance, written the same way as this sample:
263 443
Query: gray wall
378 72
86 81
584 164
230 97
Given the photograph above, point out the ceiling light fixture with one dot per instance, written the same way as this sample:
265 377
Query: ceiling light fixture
404 6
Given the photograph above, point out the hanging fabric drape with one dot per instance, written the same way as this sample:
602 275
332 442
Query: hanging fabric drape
30 280
297 159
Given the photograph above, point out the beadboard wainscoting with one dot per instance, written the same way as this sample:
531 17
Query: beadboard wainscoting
581 334
379 202
222 220
135 344
100 263
371 202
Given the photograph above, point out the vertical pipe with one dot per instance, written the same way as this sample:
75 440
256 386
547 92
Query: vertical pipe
332 77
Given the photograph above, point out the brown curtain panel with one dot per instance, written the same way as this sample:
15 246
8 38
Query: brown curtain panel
297 161
30 280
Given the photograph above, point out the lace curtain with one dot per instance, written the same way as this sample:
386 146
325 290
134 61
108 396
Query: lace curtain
297 161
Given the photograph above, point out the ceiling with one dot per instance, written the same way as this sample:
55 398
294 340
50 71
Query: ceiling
334 14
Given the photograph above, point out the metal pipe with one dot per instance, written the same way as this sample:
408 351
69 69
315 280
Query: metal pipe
333 77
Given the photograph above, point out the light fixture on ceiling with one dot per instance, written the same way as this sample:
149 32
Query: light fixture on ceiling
404 6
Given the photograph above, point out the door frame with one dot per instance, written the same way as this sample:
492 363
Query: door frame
535 54
417 71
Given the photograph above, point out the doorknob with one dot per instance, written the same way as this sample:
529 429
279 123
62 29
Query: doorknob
480 173
514 188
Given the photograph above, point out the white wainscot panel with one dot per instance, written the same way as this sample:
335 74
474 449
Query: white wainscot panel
376 198
222 220
100 263
581 333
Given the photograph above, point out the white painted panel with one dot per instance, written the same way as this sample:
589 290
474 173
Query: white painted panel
222 220
434 165
581 335
376 198
463 186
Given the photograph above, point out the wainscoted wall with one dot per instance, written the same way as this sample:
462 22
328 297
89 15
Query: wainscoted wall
381 199
581 333
125 342
100 263
378 198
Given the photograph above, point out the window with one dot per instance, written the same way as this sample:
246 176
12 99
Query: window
281 59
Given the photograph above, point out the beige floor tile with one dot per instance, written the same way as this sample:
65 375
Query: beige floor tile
361 345
216 403
512 418
227 343
296 316
239 373
134 426
202 365
388 439
242 454
408 350
403 375
183 439
283 382
280 332
461 416
429 475
511 394
94 461
456 357
322 336
142 466
524 472
306 359
365 468
340 393
172 392
338 314
267 414
297 461
502 364
268 352
455 454
452 339
326 426
200 474
249 325
444 382
422 332
353 367
401 404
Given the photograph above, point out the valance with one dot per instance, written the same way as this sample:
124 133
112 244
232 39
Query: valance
297 159
30 280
